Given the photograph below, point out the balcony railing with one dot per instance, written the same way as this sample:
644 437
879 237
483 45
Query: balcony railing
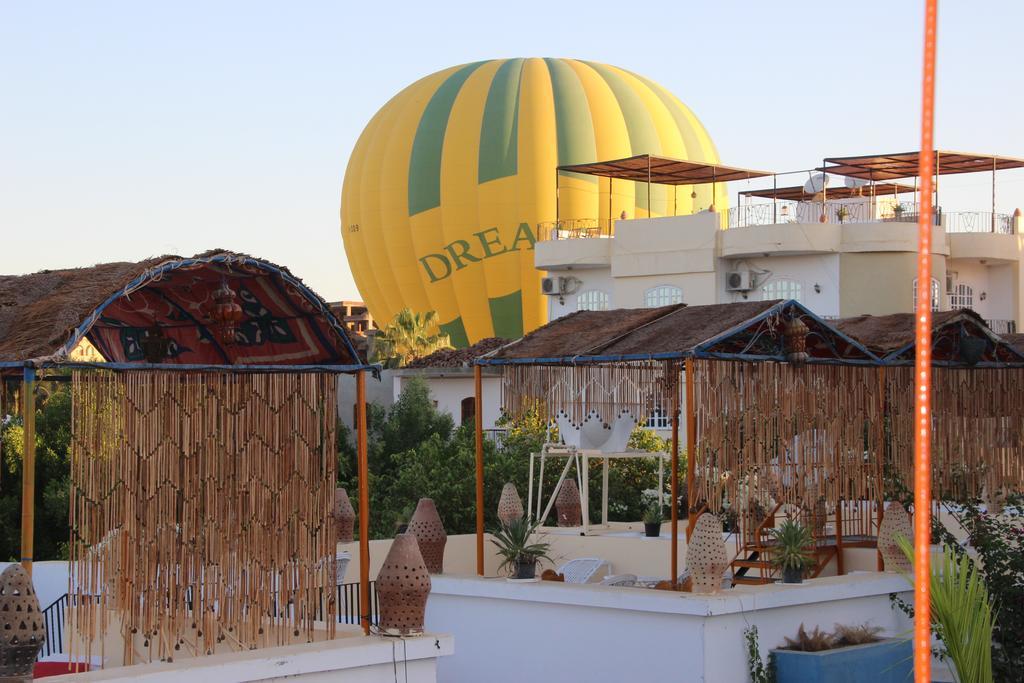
750 215
1002 326
574 228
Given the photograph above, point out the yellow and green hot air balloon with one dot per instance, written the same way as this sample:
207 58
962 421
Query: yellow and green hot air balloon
449 181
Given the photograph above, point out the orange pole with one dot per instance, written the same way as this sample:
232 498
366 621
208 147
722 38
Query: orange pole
364 503
478 418
675 477
922 365
691 449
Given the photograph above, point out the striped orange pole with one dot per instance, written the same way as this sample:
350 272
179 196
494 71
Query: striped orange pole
922 364
364 502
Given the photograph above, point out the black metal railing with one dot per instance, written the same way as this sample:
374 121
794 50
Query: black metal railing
979 221
346 594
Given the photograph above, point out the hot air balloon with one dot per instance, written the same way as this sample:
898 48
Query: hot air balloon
448 183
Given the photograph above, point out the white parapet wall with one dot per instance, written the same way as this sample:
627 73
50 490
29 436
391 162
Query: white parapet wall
371 659
555 632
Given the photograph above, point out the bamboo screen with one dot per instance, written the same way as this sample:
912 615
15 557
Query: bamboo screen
200 510
978 430
775 433
577 390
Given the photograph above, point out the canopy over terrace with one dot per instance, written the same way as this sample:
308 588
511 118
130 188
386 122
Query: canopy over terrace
220 368
610 361
657 170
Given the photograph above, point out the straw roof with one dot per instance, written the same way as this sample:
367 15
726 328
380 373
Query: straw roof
43 314
458 358
1015 340
884 334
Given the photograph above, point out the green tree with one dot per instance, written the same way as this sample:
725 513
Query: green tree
409 335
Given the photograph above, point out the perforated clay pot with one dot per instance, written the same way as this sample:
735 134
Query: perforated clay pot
426 526
22 628
344 516
567 504
510 505
403 586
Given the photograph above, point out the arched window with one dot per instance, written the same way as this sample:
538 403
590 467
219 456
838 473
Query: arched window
662 295
468 410
962 297
936 293
782 288
592 300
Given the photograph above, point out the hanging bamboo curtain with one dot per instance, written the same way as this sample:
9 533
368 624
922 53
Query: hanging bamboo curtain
977 434
771 433
577 390
200 509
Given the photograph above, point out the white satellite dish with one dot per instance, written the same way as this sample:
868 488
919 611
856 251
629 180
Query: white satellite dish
817 183
854 183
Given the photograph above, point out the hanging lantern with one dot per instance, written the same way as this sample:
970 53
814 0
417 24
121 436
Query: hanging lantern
794 339
226 312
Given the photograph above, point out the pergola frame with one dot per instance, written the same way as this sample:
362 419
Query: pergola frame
27 372
741 342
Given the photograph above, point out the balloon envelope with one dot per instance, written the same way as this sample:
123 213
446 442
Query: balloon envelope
452 182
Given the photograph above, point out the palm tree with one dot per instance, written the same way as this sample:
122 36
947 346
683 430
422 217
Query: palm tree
409 335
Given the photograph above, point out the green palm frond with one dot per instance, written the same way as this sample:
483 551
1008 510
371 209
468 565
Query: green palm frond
961 612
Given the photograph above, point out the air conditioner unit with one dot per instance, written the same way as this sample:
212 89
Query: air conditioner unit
558 286
739 281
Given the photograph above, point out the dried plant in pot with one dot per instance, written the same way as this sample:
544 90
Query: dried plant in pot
790 550
518 554
652 520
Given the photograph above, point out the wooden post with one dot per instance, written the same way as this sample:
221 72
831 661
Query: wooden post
691 449
674 575
28 468
364 502
880 481
839 537
478 418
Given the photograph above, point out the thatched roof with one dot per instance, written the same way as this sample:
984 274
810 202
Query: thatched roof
458 358
747 329
891 337
43 315
1015 340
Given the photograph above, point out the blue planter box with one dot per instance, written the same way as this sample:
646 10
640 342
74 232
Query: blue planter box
887 661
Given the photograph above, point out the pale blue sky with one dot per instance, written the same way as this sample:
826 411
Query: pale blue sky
131 129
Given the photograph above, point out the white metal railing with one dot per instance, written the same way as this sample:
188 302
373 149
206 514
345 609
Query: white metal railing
1002 326
786 211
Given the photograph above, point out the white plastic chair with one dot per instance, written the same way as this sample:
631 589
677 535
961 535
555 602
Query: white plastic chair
582 569
342 559
626 580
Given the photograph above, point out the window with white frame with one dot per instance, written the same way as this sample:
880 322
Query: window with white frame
592 300
962 296
658 419
936 293
782 288
662 295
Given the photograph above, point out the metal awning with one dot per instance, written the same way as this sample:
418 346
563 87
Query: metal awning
649 168
905 164
798 194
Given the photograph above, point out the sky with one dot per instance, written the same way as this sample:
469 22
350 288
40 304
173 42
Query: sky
130 129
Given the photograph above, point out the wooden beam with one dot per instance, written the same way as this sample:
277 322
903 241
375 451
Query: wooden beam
478 419
28 468
691 448
364 503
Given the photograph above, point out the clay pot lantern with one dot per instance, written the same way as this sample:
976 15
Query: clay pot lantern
895 523
403 586
794 336
22 628
426 526
510 505
344 516
226 312
567 504
706 558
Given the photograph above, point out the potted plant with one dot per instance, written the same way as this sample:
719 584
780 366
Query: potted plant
850 653
517 553
652 520
897 210
789 553
842 213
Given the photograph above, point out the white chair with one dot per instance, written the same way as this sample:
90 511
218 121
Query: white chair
342 559
582 569
626 580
